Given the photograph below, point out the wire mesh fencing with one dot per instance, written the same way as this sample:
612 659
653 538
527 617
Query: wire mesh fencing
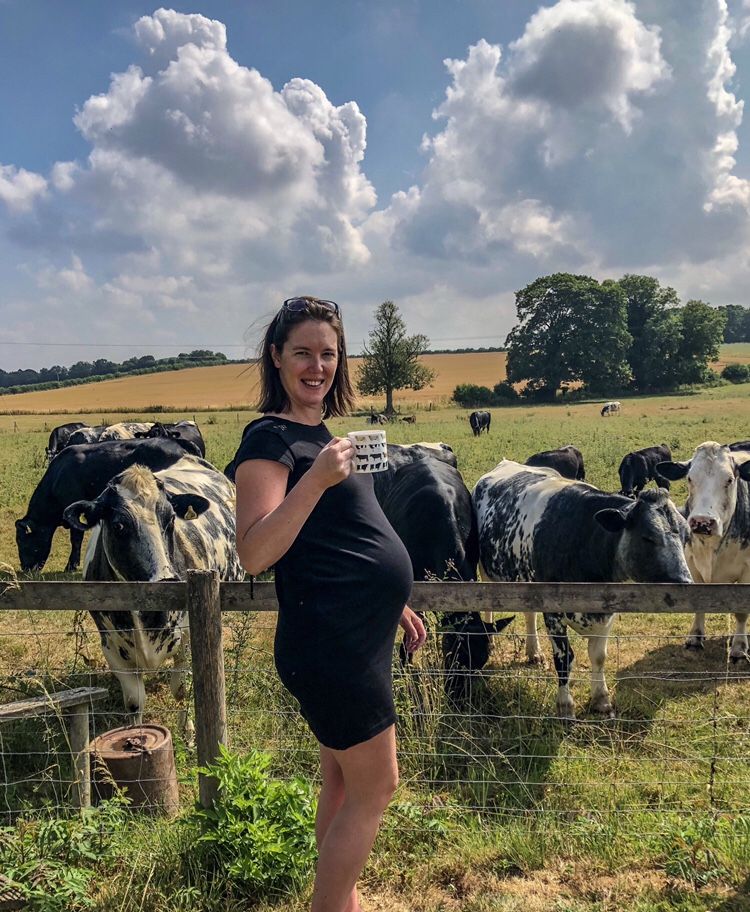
484 742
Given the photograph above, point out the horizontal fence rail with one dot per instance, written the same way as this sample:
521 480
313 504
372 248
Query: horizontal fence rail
623 598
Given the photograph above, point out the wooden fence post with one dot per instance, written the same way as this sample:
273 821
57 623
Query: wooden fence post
78 728
204 613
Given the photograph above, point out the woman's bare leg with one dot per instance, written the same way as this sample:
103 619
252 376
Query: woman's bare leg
330 800
370 775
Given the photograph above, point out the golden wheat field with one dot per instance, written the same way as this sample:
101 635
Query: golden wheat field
233 386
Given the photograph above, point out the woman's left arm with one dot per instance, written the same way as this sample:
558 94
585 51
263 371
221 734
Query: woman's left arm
414 630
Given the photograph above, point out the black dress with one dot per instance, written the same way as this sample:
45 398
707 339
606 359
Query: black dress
342 587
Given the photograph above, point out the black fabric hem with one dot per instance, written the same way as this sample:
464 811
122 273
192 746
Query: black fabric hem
370 733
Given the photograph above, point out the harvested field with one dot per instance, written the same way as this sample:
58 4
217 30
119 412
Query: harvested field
233 386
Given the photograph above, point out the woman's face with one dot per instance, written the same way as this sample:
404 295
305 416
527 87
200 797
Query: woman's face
307 363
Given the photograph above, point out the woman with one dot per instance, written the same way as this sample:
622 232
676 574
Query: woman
342 581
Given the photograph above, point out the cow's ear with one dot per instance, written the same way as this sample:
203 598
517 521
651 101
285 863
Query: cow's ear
83 514
611 520
500 624
188 506
743 470
672 471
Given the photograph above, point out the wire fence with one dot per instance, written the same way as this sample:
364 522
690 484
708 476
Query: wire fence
486 742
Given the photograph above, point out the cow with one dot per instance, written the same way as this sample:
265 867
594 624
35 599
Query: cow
611 408
87 434
80 473
639 467
59 436
426 501
125 430
150 527
718 514
182 430
739 446
480 421
567 460
410 419
377 418
535 526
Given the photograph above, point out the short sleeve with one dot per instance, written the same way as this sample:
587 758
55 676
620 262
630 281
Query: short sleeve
263 444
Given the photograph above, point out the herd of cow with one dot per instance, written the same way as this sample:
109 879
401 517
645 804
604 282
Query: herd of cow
157 508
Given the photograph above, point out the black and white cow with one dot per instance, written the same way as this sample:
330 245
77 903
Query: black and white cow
718 514
81 473
126 430
181 430
429 506
611 408
639 467
59 437
535 526
87 434
567 460
150 527
480 421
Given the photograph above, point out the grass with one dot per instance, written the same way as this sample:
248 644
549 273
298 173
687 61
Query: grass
501 807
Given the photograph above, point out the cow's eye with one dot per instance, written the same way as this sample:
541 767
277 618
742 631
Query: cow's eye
649 539
118 527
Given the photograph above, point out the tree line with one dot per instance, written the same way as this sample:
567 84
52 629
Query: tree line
103 369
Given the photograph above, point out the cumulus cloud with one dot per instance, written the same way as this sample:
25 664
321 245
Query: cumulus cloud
604 138
19 188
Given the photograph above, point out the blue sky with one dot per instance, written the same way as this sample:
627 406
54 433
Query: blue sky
168 175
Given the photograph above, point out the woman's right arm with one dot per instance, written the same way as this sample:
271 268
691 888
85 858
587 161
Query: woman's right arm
269 519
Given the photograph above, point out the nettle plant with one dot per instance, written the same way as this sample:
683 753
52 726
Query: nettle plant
259 835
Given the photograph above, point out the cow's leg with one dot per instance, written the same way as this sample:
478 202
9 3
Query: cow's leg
739 651
563 654
74 561
533 650
598 637
697 636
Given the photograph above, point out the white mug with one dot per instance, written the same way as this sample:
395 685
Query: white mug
370 453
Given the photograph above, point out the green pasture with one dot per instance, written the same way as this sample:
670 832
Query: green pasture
501 807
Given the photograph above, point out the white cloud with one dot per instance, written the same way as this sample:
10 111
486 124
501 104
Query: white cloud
604 139
20 188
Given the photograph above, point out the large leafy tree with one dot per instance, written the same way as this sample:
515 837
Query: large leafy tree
647 303
571 329
738 323
390 359
702 335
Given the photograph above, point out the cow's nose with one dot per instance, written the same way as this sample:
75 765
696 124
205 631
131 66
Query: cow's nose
703 525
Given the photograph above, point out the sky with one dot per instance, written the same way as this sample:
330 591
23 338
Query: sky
168 175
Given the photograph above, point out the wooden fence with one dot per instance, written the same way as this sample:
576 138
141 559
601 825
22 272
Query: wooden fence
205 598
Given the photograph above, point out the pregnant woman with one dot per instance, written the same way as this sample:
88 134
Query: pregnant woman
342 580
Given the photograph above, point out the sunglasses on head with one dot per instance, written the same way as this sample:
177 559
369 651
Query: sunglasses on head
300 305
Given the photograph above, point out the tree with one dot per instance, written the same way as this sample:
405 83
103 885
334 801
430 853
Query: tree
571 329
647 301
702 335
738 323
390 360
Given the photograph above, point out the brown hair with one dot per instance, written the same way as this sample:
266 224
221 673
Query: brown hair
273 397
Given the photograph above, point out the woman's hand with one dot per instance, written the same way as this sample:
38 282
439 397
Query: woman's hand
333 463
414 630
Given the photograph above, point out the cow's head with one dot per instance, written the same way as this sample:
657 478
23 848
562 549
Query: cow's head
34 543
633 474
652 535
466 641
712 476
136 516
